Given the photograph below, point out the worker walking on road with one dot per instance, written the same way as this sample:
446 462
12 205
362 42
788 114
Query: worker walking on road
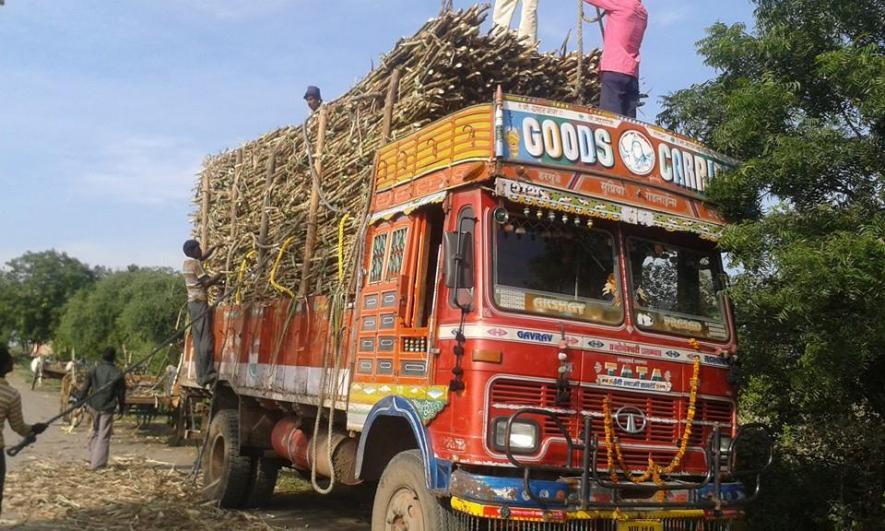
528 25
107 383
626 21
198 284
11 410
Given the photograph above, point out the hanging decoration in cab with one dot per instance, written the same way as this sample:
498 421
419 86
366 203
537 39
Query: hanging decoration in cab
563 389
654 470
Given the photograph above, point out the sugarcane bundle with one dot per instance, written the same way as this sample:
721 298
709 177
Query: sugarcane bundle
253 203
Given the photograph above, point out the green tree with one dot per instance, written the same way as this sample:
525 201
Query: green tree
133 309
35 287
801 100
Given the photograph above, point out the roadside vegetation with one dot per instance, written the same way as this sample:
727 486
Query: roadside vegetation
51 297
800 99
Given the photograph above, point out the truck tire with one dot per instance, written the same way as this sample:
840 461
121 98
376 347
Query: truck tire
227 475
266 473
402 501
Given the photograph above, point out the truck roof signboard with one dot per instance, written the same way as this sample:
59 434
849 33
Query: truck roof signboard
589 140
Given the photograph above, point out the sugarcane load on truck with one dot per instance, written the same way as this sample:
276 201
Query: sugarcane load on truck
507 311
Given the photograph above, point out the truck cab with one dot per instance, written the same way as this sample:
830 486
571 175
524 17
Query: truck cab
572 351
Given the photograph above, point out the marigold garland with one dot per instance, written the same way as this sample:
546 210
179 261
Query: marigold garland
654 471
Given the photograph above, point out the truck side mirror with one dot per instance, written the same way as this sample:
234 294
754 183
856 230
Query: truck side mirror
459 260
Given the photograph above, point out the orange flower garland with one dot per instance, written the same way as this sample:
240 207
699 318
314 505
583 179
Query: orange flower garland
654 471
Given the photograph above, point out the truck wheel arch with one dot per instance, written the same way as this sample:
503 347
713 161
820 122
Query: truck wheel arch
393 426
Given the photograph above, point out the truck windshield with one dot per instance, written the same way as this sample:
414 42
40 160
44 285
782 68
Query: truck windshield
558 269
675 290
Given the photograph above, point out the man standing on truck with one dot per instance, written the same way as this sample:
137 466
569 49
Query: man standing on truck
619 67
107 383
528 25
198 284
11 410
313 97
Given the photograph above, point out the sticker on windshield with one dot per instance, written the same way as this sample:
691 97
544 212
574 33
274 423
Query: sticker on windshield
510 299
543 304
683 325
645 319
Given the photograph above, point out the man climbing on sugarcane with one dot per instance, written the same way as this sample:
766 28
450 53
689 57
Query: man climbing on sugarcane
626 21
198 284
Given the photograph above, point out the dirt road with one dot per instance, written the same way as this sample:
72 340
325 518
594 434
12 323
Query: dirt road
294 506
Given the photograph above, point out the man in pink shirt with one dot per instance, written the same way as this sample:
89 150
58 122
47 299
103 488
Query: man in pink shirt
619 67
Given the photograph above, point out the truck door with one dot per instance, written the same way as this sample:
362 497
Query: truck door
396 301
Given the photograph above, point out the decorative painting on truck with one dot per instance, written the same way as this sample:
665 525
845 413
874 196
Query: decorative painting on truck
593 141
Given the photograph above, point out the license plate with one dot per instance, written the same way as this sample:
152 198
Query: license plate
641 525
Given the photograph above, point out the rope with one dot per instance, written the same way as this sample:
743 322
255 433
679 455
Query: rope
579 79
334 324
276 264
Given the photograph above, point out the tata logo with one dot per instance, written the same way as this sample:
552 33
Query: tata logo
631 420
497 332
534 336
595 343
672 353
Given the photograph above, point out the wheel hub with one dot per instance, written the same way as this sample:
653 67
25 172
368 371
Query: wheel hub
216 459
404 511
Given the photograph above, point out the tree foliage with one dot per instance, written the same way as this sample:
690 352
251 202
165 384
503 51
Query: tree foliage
134 309
33 290
801 100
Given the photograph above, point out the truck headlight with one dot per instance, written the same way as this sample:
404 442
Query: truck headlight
725 443
523 435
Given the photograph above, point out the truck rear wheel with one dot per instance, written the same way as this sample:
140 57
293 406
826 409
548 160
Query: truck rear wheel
402 501
266 473
227 475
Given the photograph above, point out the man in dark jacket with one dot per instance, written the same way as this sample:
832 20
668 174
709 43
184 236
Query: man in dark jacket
109 386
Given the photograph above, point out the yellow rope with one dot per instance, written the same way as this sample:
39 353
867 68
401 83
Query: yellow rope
249 256
654 471
341 247
276 263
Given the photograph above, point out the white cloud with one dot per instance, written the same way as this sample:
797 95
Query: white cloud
237 9
670 17
146 170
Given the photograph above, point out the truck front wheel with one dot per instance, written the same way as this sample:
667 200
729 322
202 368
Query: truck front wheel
402 501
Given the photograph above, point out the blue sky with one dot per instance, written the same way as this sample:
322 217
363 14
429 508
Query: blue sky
107 108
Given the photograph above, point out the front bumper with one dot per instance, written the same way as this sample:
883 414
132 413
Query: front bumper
564 496
473 515
589 488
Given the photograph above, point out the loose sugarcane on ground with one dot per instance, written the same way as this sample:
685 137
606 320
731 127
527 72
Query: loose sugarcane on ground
49 487
253 199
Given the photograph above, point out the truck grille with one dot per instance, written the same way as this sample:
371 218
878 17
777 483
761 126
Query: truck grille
665 414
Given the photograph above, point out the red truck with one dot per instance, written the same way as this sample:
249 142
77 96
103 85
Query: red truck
538 339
